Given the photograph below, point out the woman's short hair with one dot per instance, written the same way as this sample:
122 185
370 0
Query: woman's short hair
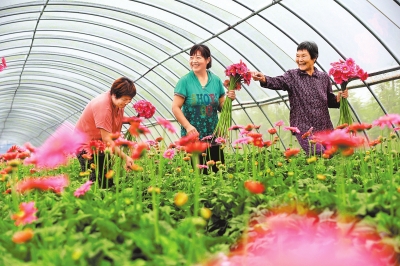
311 47
123 86
204 51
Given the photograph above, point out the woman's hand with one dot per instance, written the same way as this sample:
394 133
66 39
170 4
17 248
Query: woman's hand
342 94
191 130
129 162
258 76
231 95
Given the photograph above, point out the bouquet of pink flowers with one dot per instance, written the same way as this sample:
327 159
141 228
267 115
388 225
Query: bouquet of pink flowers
144 109
237 74
343 72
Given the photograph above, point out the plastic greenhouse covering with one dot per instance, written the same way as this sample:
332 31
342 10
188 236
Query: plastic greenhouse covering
61 54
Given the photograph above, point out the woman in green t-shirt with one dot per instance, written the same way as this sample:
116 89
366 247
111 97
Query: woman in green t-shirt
197 97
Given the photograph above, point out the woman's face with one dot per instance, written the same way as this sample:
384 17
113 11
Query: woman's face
121 102
198 63
304 61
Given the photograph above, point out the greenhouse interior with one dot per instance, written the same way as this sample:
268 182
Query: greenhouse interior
200 132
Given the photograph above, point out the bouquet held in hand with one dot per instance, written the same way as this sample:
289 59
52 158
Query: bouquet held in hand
237 74
343 72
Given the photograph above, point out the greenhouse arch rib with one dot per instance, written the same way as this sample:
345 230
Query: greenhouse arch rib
20 76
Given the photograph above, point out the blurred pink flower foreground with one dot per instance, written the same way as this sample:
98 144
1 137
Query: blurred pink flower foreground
26 214
52 183
83 189
299 240
56 149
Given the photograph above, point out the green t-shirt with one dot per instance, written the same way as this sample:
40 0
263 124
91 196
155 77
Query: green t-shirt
201 104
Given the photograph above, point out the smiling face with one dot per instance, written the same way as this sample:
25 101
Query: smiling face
121 102
304 61
198 63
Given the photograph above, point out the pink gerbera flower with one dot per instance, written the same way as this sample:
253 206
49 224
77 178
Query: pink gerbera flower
293 129
279 123
54 183
57 148
166 124
207 138
244 140
151 142
169 154
387 120
83 189
235 127
26 214
305 240
202 166
220 140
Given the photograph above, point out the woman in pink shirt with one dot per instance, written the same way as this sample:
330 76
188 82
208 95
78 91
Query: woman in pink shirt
103 116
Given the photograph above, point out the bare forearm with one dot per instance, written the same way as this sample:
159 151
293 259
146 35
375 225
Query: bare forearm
180 117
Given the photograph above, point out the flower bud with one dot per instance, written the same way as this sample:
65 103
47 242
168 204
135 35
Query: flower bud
110 174
155 189
180 199
205 213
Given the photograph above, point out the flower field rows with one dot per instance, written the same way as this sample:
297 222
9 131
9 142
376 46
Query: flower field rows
265 206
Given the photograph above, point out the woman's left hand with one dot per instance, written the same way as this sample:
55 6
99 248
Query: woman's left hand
231 95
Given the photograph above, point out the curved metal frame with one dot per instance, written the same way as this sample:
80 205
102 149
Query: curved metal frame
169 56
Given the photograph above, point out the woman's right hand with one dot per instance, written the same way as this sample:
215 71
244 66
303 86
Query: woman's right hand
191 130
258 76
129 163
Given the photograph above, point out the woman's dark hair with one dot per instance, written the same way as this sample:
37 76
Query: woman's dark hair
123 86
311 47
204 51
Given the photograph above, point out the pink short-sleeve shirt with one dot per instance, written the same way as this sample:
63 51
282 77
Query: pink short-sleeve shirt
100 114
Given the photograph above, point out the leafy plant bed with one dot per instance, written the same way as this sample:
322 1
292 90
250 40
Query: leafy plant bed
164 212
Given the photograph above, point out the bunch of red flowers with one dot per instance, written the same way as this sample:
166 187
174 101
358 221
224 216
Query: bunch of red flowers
237 74
144 109
342 71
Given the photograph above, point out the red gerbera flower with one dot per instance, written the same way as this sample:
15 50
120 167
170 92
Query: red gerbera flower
291 152
356 127
258 142
307 134
196 147
187 139
22 236
254 187
139 150
254 135
342 126
124 142
267 143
